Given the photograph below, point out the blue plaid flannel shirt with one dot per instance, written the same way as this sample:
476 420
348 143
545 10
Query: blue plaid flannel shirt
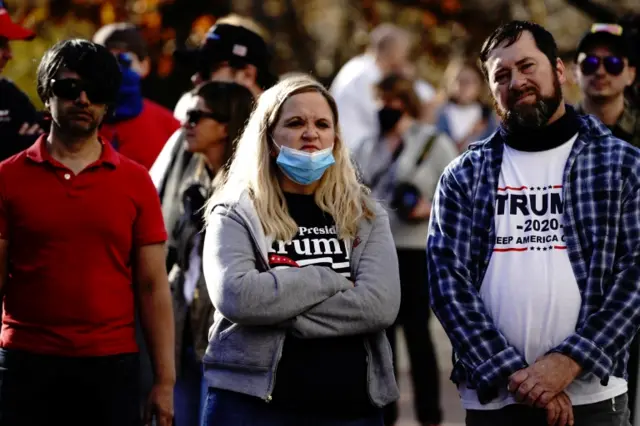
602 229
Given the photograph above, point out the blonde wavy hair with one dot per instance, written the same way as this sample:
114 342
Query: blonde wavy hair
254 170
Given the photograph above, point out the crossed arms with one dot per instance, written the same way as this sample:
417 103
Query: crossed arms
314 301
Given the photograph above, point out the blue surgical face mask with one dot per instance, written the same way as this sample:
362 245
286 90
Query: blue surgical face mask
304 167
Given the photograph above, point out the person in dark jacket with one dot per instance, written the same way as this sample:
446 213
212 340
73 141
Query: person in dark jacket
138 127
606 67
19 119
214 121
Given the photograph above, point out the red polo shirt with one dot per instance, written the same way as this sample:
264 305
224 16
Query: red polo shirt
71 241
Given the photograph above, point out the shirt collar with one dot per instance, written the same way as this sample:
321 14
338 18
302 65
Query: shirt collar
39 153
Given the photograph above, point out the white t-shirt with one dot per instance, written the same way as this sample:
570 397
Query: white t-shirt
424 90
354 91
353 88
529 289
462 118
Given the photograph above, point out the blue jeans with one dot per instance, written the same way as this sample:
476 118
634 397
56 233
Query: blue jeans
190 391
235 409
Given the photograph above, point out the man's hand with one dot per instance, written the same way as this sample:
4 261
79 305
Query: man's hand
28 129
539 383
159 405
422 210
560 411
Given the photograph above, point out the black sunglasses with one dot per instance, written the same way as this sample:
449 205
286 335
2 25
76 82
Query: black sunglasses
195 115
71 88
614 65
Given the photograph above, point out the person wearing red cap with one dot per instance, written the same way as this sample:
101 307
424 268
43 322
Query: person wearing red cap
19 120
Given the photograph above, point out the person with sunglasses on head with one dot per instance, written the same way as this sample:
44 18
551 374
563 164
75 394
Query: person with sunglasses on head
213 124
20 122
534 252
301 268
605 68
81 238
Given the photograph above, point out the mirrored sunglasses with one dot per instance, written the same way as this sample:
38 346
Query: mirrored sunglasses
614 65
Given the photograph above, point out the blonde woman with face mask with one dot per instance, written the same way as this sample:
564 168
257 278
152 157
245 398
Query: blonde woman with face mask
301 268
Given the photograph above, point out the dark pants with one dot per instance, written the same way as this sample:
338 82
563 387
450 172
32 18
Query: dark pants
40 390
611 412
414 318
235 409
190 390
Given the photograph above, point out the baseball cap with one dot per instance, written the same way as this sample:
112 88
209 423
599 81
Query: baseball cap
225 42
11 30
611 35
122 36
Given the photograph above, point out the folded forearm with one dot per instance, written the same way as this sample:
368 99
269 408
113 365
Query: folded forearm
355 311
272 297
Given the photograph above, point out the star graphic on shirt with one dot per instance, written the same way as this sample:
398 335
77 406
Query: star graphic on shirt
538 248
538 188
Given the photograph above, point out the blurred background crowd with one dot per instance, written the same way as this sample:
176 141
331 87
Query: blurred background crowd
314 36
422 69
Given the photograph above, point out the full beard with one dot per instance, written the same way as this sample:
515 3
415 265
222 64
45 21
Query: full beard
533 115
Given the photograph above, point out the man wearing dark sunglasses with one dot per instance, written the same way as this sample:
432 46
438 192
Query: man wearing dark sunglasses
605 68
81 235
19 120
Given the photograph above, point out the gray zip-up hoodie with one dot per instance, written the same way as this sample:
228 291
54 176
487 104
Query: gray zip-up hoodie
257 306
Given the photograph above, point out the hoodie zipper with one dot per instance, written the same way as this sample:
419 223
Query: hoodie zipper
272 385
265 264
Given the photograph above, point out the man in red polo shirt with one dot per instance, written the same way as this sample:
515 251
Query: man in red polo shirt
81 230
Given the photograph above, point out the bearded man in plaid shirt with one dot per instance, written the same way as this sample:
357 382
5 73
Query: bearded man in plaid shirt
534 251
